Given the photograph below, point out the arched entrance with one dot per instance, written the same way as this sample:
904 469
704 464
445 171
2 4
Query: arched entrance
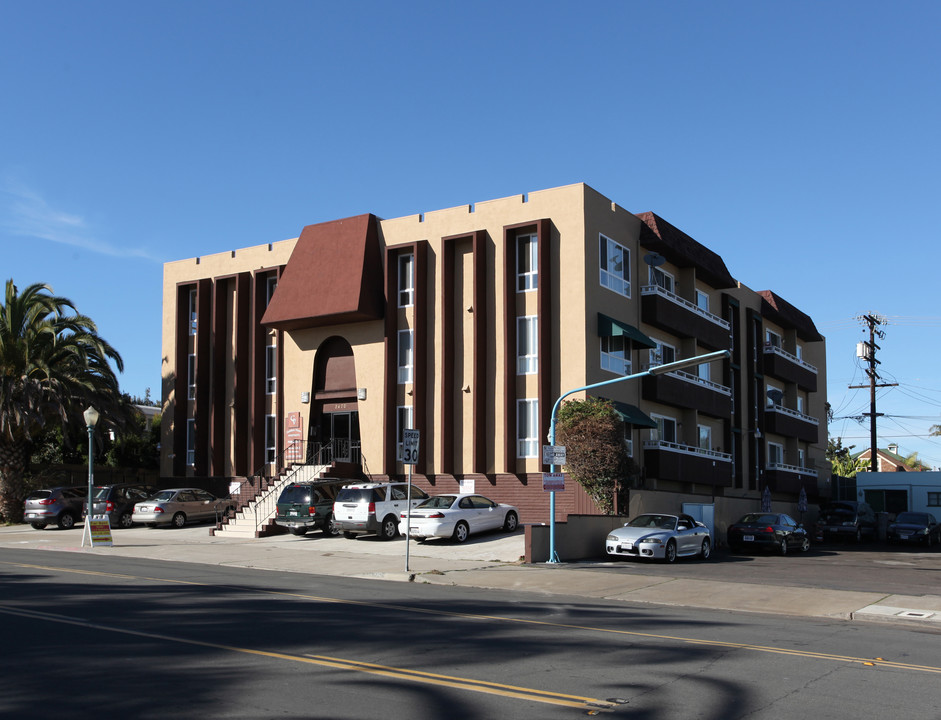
334 415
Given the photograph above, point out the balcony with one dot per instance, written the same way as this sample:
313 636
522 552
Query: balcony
683 389
681 317
790 368
790 479
683 463
790 423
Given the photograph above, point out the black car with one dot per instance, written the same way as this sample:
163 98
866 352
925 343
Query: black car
914 527
305 506
767 531
846 520
61 506
116 502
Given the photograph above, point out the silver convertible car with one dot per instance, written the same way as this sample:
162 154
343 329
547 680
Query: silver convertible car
661 537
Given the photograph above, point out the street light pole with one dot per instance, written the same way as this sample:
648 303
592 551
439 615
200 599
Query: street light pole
657 370
91 419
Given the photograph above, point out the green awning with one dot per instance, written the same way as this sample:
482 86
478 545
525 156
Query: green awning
609 327
633 415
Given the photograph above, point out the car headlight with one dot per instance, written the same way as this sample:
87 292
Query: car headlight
650 540
612 538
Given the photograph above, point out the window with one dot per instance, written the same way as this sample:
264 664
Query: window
702 300
934 499
527 353
615 266
662 354
661 278
406 280
772 339
271 449
775 395
271 284
405 356
527 428
665 430
628 440
800 404
191 377
403 423
801 458
799 352
271 369
615 355
193 311
527 264
191 441
702 370
775 454
705 437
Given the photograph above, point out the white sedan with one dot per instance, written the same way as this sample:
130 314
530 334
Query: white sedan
457 516
661 537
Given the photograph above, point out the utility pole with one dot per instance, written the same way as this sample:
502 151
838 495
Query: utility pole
867 351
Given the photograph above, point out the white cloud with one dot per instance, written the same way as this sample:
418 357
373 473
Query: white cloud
26 213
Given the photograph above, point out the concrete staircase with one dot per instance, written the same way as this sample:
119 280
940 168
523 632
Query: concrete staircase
256 518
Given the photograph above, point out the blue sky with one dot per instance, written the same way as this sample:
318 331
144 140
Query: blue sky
138 133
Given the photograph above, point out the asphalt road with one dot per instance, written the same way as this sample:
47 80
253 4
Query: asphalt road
86 636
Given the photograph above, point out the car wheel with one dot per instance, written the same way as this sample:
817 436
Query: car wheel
66 521
179 520
37 526
349 535
670 554
330 528
706 550
389 529
782 548
511 523
125 521
805 544
298 531
461 532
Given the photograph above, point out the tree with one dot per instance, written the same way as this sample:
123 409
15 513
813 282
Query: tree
53 364
593 435
842 460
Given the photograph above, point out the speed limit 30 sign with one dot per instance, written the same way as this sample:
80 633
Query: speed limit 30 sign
410 442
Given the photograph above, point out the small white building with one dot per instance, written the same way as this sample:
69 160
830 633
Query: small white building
895 492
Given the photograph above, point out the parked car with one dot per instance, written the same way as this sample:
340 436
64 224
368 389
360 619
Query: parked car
307 506
846 520
458 516
914 527
116 502
767 531
660 536
373 508
178 506
59 505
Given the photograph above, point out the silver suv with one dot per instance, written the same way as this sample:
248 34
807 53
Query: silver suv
373 508
60 505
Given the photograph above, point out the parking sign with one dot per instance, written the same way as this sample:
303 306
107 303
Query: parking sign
410 442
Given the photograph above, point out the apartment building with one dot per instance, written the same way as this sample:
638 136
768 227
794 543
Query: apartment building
467 324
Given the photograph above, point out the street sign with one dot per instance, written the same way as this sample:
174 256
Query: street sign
410 443
553 482
553 454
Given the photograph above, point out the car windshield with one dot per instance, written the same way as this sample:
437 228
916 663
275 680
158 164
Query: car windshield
759 519
661 522
439 502
295 494
165 495
912 518
838 511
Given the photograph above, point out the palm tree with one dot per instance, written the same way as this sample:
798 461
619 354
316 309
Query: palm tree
53 364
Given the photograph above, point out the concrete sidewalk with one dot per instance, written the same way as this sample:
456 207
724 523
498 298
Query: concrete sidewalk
488 561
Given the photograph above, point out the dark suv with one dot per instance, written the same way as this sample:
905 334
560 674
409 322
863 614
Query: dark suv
307 506
846 519
116 502
59 505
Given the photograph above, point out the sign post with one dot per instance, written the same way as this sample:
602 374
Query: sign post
411 440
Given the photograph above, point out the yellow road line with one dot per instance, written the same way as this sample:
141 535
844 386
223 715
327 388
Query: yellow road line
878 662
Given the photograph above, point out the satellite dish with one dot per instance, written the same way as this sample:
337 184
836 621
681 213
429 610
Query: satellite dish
654 259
